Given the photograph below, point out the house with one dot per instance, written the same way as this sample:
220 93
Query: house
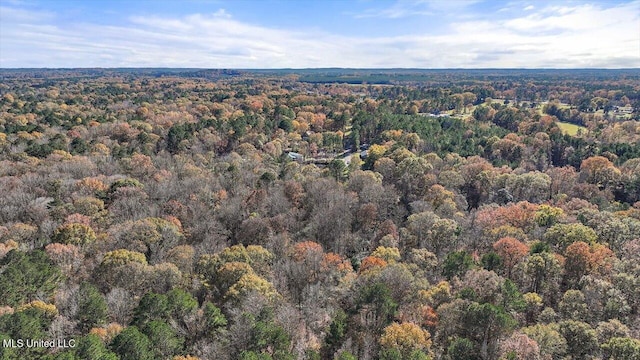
295 156
624 109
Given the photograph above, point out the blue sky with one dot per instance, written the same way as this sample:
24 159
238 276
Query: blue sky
329 33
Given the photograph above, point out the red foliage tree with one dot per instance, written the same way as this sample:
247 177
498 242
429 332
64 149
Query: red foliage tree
512 251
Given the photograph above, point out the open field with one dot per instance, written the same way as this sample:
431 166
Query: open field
570 129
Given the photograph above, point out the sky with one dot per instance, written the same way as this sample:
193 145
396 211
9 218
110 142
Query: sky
263 34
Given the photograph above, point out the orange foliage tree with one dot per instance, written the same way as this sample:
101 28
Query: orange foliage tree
512 251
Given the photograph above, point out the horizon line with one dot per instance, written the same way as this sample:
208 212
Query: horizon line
309 68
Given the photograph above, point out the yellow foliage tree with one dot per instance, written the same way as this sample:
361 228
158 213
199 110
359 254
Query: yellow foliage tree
49 310
406 338
388 254
249 283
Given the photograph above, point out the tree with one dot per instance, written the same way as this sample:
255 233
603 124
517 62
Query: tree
8 352
484 113
610 329
552 344
123 257
92 347
68 257
371 262
164 339
432 232
214 319
520 346
562 235
582 340
92 307
267 338
388 254
74 234
511 251
249 283
338 169
533 304
413 179
491 261
519 215
548 215
131 344
151 307
543 271
228 275
599 170
512 298
582 259
181 304
573 306
486 323
406 338
337 331
155 235
27 323
26 276
457 263
622 348
462 348
377 299
345 355
124 268
482 285
419 225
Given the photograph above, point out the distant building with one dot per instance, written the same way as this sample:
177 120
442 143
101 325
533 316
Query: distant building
295 156
624 109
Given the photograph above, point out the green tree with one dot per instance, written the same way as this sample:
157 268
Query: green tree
377 298
91 347
563 235
486 323
338 170
268 337
26 276
491 261
30 323
337 332
92 307
151 307
181 303
552 344
582 340
462 349
543 271
573 306
215 319
619 348
512 298
8 353
164 339
345 355
456 264
131 344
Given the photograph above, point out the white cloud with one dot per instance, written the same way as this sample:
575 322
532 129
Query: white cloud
406 8
564 37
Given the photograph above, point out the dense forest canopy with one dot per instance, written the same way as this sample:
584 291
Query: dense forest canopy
320 213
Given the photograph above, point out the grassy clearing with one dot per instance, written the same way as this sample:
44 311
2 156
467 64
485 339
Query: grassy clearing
570 129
